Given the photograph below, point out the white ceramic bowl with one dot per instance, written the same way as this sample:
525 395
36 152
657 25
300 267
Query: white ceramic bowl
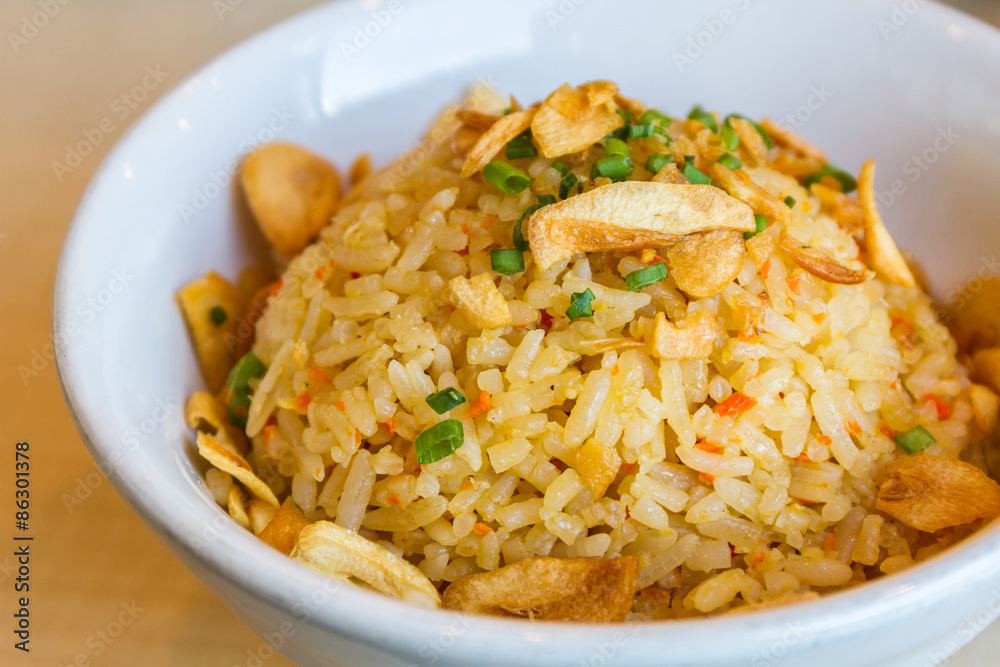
911 83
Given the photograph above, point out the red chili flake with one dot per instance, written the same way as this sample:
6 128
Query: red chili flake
943 409
630 468
302 401
887 431
355 275
656 260
546 321
735 404
560 466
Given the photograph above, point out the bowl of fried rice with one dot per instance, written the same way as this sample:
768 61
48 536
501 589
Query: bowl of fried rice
552 336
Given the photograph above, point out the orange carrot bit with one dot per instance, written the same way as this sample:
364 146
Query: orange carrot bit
656 593
393 499
340 404
793 284
830 542
824 440
390 426
735 404
467 485
806 207
630 468
943 409
819 317
765 268
490 219
302 401
706 446
758 558
319 376
887 431
323 272
482 529
269 432
559 465
358 438
480 406
274 288
705 478
802 458
656 260
465 228
854 427
615 370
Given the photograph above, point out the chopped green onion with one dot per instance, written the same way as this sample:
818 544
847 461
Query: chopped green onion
764 134
218 315
506 177
730 139
657 162
566 184
520 242
444 400
790 201
653 116
545 200
626 115
616 168
615 148
640 131
847 182
561 167
439 441
761 223
580 305
702 116
914 440
506 111
693 174
520 146
730 161
238 389
645 277
507 261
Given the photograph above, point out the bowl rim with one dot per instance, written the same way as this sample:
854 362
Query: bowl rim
244 562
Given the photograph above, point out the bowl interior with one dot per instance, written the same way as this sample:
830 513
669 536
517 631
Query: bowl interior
918 93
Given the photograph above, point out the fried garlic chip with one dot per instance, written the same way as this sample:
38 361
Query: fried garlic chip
977 321
259 514
494 138
344 555
694 339
822 265
582 590
985 407
477 120
703 264
884 256
284 527
760 247
629 216
571 120
213 343
480 301
986 367
670 174
238 505
235 465
846 210
292 194
597 464
205 413
752 145
739 184
785 137
932 492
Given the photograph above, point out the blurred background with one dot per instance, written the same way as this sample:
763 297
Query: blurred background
104 591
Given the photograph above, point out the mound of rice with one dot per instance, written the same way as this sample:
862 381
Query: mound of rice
771 497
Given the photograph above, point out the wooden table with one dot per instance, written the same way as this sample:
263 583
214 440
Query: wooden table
94 564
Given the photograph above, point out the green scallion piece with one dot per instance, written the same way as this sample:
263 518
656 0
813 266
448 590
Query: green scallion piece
507 261
730 139
506 177
653 116
580 305
702 116
764 134
616 168
238 410
693 174
520 242
218 315
657 162
640 131
439 441
914 440
626 115
645 277
545 200
731 161
615 148
761 223
566 184
561 167
444 400
520 146
238 389
790 201
847 182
